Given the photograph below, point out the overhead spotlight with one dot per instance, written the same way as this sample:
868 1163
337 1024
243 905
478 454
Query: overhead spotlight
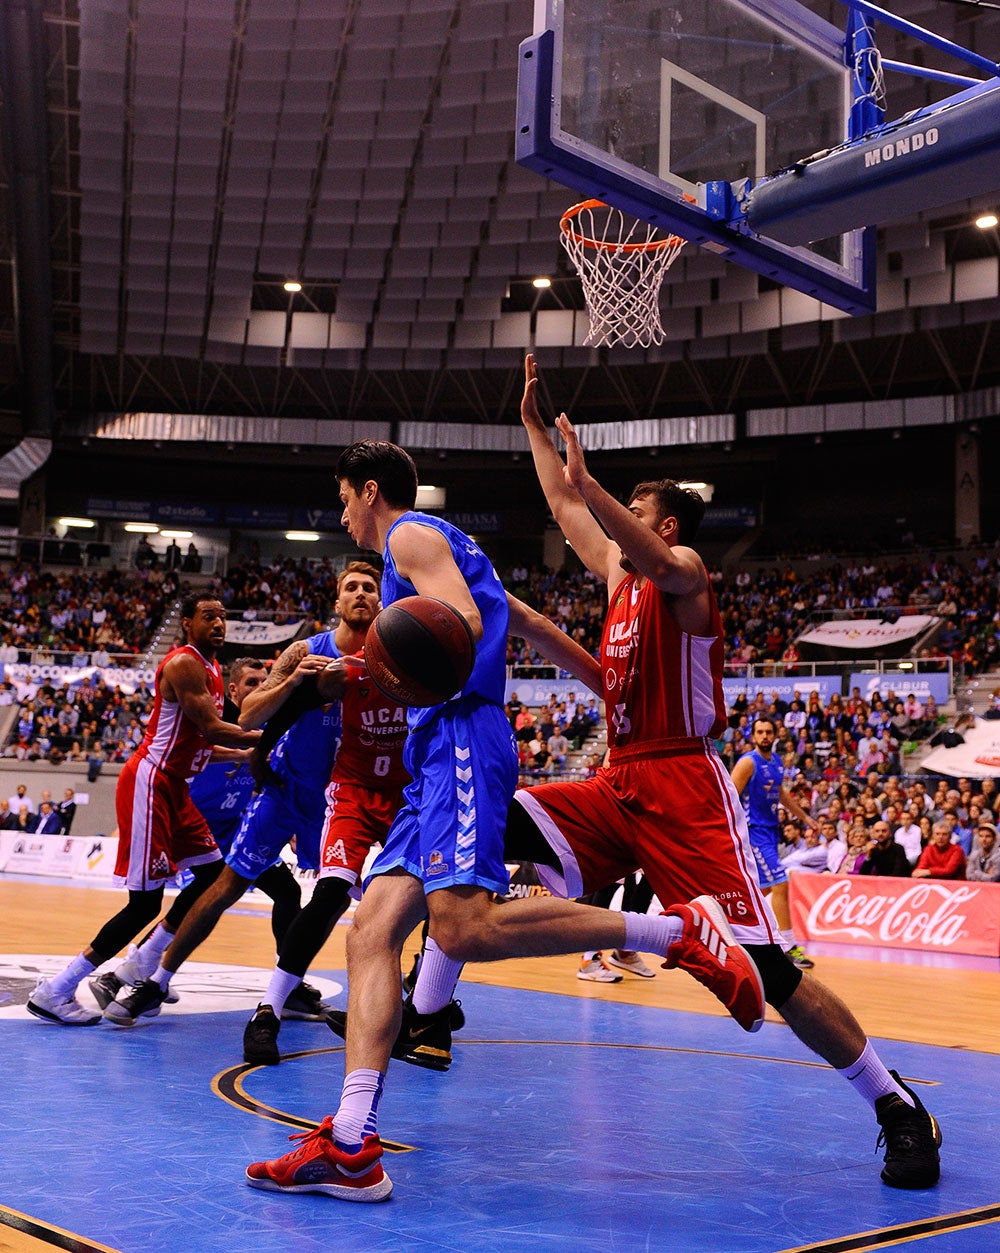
541 282
86 523
304 537
986 221
142 528
291 285
177 534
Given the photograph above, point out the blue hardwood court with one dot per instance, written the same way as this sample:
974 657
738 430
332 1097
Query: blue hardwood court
571 1119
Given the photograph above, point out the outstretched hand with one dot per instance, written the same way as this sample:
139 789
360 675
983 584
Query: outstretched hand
530 414
576 466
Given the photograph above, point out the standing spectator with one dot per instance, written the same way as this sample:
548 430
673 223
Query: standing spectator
20 798
941 859
172 557
558 747
67 809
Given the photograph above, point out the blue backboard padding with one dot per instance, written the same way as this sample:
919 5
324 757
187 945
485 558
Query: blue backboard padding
940 157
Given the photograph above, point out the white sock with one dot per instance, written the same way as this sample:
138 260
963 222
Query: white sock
788 940
66 981
651 933
147 956
436 980
162 977
357 1116
280 988
870 1079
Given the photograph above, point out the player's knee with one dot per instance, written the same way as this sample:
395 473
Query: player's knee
778 974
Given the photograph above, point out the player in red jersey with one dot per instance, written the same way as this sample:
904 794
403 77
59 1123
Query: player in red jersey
159 829
664 803
364 795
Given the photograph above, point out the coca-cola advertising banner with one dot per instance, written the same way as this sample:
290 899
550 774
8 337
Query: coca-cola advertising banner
932 914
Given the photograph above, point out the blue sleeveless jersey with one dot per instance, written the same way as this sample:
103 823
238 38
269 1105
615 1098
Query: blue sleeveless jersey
222 792
489 673
760 796
306 752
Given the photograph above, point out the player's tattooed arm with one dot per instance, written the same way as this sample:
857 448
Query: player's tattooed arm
291 669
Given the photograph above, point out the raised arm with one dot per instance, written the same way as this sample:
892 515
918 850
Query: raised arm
552 643
183 680
674 569
423 556
291 669
571 513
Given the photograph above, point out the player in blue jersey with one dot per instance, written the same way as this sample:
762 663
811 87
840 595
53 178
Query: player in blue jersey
292 801
759 779
443 855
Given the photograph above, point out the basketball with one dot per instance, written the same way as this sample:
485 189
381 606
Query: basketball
420 651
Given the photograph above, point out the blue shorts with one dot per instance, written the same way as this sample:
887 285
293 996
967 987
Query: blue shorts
270 821
450 830
765 853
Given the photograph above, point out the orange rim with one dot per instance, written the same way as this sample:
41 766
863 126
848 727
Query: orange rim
651 245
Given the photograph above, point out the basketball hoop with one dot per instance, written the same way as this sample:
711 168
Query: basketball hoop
621 268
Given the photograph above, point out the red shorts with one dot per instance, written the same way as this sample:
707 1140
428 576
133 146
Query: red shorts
676 817
356 818
159 829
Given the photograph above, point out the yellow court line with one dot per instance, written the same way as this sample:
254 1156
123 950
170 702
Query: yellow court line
37 1227
922 1229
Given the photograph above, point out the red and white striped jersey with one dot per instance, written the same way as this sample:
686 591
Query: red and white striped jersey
660 683
172 742
373 736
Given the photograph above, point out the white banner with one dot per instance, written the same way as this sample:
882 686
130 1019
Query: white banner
64 856
855 634
977 758
260 633
28 678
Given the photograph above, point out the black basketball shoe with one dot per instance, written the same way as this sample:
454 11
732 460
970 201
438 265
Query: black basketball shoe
911 1137
424 1039
260 1038
144 1001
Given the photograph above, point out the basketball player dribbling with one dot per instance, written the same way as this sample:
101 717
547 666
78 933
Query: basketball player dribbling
159 829
444 853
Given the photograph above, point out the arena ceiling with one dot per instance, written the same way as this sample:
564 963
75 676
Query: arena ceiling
169 162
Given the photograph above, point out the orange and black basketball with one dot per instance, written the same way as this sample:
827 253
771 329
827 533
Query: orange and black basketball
420 651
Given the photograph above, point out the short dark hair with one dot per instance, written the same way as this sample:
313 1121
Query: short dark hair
390 466
237 667
768 722
359 567
189 605
674 501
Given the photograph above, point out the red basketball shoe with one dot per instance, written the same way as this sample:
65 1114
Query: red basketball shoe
317 1165
708 951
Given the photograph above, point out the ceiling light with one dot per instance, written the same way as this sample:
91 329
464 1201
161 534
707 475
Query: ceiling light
177 534
541 282
84 522
429 497
304 537
291 285
141 528
987 220
906 665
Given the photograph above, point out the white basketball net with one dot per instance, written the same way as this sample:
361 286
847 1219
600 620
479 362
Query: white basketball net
621 267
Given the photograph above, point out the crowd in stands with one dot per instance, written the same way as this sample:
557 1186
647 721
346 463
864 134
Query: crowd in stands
91 614
547 736
763 613
284 590
886 825
20 813
847 734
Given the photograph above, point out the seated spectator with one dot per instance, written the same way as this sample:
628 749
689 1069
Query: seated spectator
857 842
993 710
883 856
983 863
810 857
558 746
836 845
24 821
908 834
20 798
48 822
941 859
